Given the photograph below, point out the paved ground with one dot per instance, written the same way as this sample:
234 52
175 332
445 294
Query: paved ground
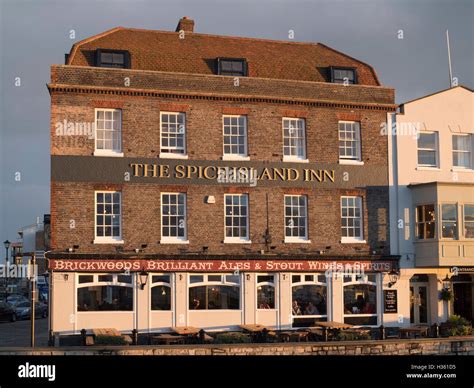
18 333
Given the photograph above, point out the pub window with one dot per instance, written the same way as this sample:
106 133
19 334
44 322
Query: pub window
173 134
113 58
265 292
425 222
294 139
341 75
428 149
215 292
108 132
236 218
296 218
173 217
360 299
462 155
232 66
449 224
351 219
108 216
469 221
161 292
309 299
349 141
235 137
104 293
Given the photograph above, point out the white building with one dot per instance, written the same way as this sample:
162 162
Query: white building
432 204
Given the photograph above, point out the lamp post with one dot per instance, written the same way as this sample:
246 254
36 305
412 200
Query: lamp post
6 244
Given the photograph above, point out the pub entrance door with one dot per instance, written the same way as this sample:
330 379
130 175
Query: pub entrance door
463 288
419 306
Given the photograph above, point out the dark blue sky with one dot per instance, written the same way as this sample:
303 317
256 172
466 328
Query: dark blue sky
35 34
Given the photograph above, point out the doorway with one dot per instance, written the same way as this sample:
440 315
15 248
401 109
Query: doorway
463 289
419 306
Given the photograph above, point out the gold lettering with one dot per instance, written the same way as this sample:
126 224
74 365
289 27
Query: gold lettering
206 172
146 168
281 173
179 171
136 167
190 171
295 176
164 171
265 175
329 174
316 175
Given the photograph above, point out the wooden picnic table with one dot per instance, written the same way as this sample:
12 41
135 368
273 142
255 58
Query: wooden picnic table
333 325
287 336
414 330
167 339
106 331
186 330
254 328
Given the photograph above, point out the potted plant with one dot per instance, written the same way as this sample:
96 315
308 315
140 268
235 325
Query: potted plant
456 326
446 294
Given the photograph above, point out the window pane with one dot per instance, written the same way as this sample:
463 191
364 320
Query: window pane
266 297
360 299
105 298
161 298
309 300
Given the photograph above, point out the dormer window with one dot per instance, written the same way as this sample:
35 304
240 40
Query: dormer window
232 66
343 75
113 58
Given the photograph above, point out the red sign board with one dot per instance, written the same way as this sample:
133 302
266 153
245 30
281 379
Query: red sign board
218 265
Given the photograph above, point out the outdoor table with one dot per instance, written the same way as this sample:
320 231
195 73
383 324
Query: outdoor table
167 339
414 330
286 336
256 332
252 328
185 330
330 326
108 332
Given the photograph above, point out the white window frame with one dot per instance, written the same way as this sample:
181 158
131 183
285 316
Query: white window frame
294 158
273 284
162 284
173 155
355 127
174 239
436 150
96 282
355 239
237 240
296 239
470 143
464 221
223 282
108 152
363 281
234 156
107 239
304 282
442 220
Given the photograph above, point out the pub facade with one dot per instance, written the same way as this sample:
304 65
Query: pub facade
213 181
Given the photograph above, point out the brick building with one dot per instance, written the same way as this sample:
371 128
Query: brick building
226 174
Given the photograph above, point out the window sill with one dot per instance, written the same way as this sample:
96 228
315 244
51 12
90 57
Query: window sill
460 169
107 241
165 155
296 241
351 162
235 157
173 241
236 241
353 241
108 153
295 160
427 168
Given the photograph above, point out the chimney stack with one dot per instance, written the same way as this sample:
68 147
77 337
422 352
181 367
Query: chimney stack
186 24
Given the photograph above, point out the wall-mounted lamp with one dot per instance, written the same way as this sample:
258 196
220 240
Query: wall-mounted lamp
143 278
248 276
446 283
66 277
393 276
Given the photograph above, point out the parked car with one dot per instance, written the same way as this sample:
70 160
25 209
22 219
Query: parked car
23 310
14 299
7 312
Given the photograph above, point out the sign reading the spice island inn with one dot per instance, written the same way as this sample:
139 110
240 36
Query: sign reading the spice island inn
231 173
218 265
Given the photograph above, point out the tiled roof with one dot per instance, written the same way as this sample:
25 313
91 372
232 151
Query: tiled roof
197 53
